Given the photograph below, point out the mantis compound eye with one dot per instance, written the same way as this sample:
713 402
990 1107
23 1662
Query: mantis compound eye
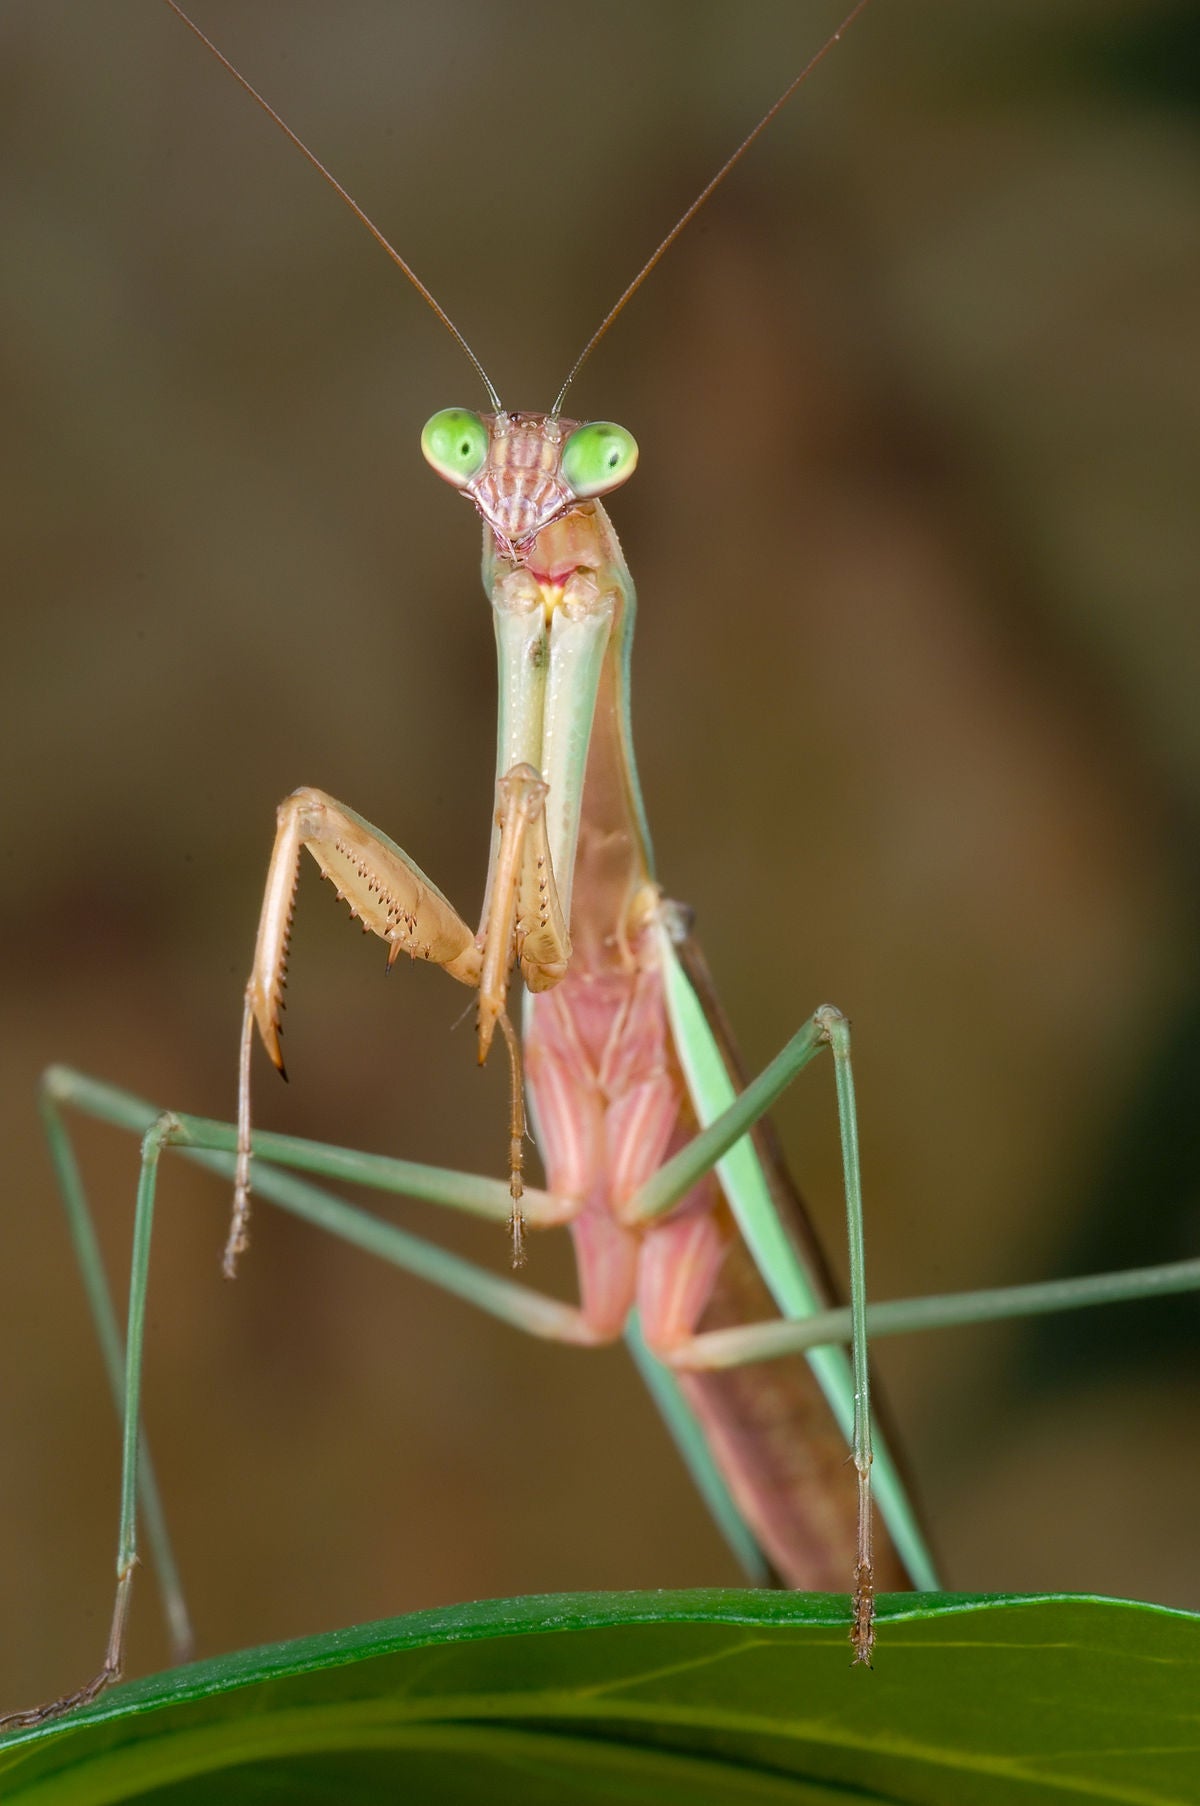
455 443
598 457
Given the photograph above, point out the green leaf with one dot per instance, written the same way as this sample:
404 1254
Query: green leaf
680 1699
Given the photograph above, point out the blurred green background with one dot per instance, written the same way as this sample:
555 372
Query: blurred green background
915 701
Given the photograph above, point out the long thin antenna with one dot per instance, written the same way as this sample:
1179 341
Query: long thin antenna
353 205
685 218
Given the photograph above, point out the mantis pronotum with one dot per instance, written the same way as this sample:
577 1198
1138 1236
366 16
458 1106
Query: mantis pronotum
459 887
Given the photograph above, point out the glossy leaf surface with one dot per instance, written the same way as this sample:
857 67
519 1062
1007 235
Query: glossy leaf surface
672 1697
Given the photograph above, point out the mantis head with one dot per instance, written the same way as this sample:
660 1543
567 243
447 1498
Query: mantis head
523 471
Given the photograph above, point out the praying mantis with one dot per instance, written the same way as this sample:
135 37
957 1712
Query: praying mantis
460 889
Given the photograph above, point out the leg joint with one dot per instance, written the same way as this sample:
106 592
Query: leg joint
162 1131
831 1023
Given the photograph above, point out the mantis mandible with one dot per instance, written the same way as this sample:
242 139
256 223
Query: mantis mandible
672 949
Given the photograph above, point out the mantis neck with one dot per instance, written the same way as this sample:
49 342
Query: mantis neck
564 626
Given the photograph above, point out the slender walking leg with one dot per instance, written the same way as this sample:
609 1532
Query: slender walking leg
215 1145
110 1670
717 1145
112 1347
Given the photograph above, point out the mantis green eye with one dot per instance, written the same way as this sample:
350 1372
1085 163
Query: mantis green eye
597 457
455 442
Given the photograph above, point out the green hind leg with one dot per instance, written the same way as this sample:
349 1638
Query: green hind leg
213 1145
124 1369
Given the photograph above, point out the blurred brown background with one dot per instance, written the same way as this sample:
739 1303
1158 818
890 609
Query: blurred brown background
915 704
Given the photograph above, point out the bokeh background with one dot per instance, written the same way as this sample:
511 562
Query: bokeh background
915 533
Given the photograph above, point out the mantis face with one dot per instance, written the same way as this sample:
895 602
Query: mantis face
523 471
